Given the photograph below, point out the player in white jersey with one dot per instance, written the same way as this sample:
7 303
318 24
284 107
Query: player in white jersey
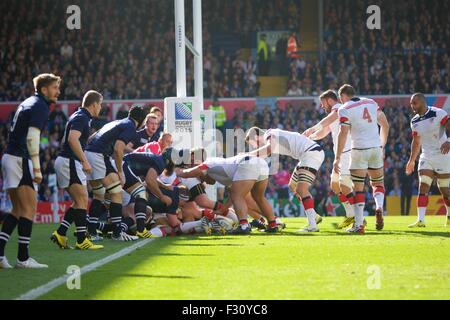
431 130
360 117
341 184
242 174
309 154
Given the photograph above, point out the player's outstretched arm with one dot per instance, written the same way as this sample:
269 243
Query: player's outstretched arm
195 172
415 150
325 122
321 134
263 152
384 127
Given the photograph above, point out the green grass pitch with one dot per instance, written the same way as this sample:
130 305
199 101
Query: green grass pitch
396 263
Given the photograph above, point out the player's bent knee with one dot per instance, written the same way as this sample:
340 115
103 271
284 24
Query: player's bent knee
114 188
346 181
443 183
139 192
425 180
99 192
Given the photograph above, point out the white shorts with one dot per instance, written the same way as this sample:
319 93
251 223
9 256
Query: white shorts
17 172
344 166
367 159
252 169
101 165
68 172
439 163
312 159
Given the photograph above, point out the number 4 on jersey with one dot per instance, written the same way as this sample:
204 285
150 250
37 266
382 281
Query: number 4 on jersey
366 115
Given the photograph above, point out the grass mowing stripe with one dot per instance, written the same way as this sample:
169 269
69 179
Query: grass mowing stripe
37 292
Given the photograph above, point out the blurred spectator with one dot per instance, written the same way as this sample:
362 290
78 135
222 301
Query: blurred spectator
263 56
220 115
294 90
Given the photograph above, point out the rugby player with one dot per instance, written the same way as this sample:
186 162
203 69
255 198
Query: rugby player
309 154
109 141
70 167
360 118
431 134
341 184
21 167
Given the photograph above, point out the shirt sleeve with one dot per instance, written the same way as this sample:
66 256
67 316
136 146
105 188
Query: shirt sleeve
344 117
413 131
443 117
79 124
39 116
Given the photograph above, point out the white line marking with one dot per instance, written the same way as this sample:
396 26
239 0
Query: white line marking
39 291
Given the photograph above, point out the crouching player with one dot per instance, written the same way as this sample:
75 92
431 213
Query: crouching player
297 146
243 174
71 166
108 141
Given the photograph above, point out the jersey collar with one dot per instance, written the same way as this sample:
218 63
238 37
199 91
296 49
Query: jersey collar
43 98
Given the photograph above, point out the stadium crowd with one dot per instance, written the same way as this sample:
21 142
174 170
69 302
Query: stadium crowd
128 53
409 54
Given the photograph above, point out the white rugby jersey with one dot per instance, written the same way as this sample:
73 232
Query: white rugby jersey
289 143
361 114
335 131
175 181
223 169
431 129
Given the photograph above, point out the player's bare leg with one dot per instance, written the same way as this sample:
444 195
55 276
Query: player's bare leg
341 186
96 208
258 194
26 195
358 178
8 226
254 211
425 181
139 194
238 192
377 182
300 184
443 181
76 213
113 186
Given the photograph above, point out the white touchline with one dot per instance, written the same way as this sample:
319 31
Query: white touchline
39 291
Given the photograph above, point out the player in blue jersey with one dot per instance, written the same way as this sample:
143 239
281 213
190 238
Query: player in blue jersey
110 141
144 135
21 167
71 166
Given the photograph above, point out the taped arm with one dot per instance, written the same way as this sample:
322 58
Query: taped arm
33 139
